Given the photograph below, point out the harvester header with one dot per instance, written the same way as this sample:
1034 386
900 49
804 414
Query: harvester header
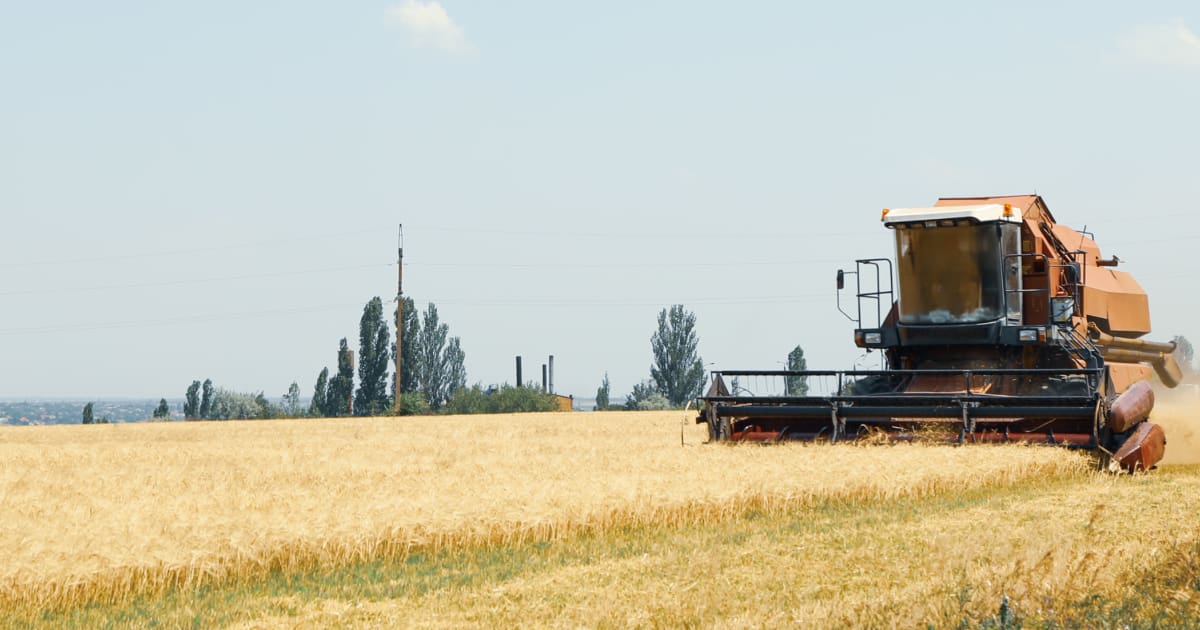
996 323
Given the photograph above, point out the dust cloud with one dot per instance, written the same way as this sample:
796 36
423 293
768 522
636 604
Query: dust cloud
1178 412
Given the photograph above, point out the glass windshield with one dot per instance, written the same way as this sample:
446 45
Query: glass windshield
950 275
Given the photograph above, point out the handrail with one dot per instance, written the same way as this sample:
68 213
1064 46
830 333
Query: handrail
879 291
1022 291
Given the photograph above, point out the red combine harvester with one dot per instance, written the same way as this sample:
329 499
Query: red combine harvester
1006 326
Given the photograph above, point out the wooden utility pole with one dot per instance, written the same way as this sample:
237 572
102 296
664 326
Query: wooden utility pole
399 312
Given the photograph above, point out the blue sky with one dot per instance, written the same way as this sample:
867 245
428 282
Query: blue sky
211 190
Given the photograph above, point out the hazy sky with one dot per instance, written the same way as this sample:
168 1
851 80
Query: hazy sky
197 190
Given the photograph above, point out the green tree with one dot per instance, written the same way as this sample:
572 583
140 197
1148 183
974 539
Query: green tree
231 405
265 408
320 398
88 418
456 369
431 357
341 386
413 404
602 394
206 399
191 406
373 359
410 380
291 400
646 397
163 410
796 385
440 360
678 371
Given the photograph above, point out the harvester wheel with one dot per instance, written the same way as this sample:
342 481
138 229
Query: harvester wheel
719 429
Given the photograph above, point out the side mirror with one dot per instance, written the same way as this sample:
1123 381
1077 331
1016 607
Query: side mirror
841 280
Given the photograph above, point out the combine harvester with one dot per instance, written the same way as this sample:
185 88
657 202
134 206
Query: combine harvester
1007 327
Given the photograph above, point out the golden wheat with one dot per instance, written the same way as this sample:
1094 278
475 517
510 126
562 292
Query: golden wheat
106 512
936 564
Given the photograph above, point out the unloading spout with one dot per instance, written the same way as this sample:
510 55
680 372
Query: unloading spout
1158 354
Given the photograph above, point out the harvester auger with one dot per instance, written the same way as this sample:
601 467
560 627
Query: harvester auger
1006 326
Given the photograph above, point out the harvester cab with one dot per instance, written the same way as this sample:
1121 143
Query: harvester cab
995 323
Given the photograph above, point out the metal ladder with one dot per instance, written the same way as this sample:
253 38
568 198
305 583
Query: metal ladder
1076 344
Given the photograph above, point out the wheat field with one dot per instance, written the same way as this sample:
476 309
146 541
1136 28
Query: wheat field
105 514
106 511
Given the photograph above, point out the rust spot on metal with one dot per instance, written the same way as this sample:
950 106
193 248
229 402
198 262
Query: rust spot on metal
1143 449
1131 407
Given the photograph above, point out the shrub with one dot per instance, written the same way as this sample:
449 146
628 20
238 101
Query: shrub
507 399
414 404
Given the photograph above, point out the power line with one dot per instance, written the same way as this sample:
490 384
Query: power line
526 302
623 265
82 326
180 252
590 302
168 283
720 234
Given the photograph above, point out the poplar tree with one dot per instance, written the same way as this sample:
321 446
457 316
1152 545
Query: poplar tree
602 394
440 361
341 386
797 385
373 359
206 399
319 403
409 366
677 371
191 405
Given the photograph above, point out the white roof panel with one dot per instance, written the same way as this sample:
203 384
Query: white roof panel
981 213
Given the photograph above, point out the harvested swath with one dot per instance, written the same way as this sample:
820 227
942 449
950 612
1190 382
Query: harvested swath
106 512
1059 551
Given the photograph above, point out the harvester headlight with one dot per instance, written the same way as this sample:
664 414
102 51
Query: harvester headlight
1028 335
873 338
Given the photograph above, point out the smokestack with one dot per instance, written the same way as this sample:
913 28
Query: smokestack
552 374
544 378
519 383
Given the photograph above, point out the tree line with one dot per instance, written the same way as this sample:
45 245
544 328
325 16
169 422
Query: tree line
434 379
433 376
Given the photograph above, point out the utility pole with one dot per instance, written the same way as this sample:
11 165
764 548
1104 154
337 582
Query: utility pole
399 312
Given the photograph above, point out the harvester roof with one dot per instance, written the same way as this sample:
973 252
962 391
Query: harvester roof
978 213
1031 206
